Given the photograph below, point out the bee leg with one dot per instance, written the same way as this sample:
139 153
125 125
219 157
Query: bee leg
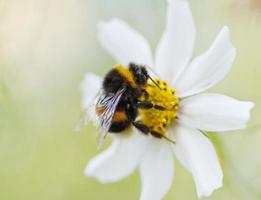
141 127
159 107
149 105
144 105
158 135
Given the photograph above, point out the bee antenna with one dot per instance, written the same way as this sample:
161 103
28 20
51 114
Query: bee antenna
154 81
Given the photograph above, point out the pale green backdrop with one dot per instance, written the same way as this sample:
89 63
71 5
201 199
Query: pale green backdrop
46 47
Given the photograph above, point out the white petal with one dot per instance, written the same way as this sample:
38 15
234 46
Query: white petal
123 43
215 112
209 68
90 88
119 160
156 170
198 155
177 43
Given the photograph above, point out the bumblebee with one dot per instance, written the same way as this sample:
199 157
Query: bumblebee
122 97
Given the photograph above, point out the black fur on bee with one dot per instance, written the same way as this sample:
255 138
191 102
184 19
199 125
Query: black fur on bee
131 81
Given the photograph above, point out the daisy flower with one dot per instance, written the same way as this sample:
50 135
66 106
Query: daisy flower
195 112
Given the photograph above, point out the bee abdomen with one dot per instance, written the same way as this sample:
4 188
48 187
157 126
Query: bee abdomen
117 127
120 122
119 116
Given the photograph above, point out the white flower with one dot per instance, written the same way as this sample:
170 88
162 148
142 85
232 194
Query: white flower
206 112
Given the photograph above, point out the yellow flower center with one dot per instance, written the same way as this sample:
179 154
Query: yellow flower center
165 107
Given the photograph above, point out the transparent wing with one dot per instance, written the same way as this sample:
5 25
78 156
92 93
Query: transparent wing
88 114
106 107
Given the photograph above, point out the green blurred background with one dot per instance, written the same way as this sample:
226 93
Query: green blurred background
46 47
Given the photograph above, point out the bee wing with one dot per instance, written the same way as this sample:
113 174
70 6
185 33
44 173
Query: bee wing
107 104
88 114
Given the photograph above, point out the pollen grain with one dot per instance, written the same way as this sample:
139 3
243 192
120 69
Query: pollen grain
164 97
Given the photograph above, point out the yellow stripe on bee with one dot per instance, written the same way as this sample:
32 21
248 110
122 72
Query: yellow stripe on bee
126 74
119 116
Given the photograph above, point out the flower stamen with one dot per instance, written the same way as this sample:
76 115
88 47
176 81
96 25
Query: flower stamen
165 108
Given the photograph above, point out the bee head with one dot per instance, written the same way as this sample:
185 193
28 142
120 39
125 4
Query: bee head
140 73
